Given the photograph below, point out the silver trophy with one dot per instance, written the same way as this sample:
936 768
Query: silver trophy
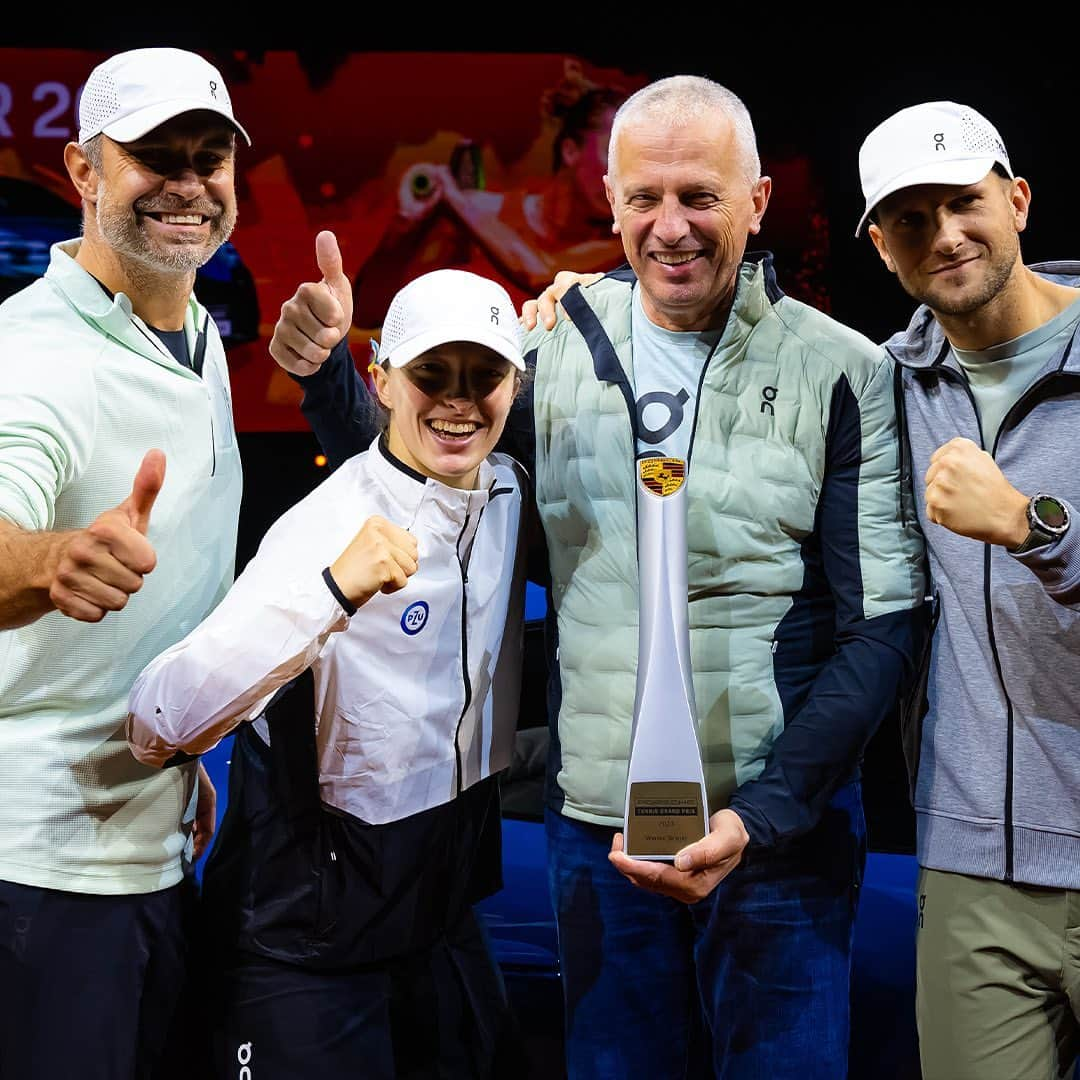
666 806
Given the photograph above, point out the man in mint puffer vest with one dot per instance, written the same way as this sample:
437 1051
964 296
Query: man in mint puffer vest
803 591
803 583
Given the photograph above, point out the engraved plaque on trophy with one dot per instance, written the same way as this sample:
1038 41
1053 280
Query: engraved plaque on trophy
666 806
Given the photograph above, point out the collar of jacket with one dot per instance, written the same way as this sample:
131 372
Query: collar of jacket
756 290
115 317
924 345
412 490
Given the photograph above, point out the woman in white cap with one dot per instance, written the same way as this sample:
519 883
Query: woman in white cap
374 641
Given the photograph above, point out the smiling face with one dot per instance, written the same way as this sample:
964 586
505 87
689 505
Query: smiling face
952 248
684 207
167 200
447 409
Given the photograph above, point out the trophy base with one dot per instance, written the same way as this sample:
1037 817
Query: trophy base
662 817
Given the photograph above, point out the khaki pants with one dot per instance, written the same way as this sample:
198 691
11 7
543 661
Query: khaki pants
998 988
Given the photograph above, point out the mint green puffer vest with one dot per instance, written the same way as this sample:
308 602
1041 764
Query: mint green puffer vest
757 463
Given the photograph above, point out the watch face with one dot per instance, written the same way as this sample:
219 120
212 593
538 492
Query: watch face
1050 512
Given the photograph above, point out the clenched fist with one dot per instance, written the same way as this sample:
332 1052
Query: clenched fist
317 316
968 494
100 566
380 558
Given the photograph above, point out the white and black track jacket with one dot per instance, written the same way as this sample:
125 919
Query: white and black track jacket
416 693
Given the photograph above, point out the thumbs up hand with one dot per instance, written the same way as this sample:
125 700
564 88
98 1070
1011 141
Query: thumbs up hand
100 566
317 316
144 491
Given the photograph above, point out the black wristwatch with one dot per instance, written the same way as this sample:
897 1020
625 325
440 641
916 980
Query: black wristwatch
1048 520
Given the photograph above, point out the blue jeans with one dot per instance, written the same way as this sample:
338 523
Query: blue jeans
754 979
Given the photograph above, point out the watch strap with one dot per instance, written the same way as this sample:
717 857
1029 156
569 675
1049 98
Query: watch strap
1035 538
1042 532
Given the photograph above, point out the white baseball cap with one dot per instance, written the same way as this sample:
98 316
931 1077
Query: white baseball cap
445 306
133 92
938 142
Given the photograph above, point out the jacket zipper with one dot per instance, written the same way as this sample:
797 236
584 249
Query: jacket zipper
903 450
1009 748
197 363
697 403
1009 768
988 606
464 653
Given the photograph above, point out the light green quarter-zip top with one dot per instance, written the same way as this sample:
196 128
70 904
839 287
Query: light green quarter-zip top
86 388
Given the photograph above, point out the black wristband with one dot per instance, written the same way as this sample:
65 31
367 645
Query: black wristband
347 605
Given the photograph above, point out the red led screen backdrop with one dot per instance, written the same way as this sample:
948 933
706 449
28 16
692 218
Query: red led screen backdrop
488 162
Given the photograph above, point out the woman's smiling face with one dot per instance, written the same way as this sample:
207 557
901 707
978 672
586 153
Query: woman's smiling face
447 409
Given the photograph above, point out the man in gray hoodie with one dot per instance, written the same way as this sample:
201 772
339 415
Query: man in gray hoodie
988 376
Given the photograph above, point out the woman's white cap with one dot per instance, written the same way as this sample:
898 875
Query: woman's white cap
450 305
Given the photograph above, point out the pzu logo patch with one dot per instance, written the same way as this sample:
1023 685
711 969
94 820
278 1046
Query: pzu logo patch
414 618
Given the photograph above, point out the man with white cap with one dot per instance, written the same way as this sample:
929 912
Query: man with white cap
987 374
109 366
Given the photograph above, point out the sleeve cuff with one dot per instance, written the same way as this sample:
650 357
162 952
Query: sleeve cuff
757 826
339 354
1057 564
346 604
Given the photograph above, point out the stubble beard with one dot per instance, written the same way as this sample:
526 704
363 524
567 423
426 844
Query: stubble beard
120 229
943 302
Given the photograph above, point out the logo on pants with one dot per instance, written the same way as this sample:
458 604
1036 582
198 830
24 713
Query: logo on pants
243 1057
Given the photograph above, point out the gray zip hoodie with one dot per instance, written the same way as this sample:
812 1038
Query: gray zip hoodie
997 788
